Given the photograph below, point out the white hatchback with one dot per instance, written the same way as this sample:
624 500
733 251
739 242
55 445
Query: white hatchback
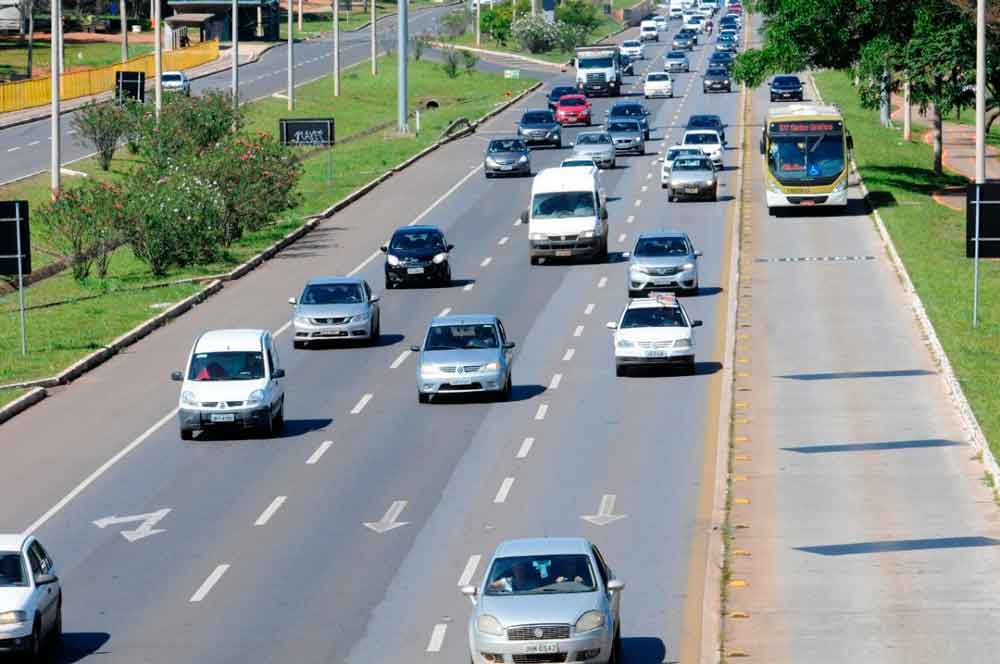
654 332
708 140
30 597
634 49
658 84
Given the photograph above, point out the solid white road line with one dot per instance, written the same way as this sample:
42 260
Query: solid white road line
503 240
13 149
504 489
437 637
470 569
554 383
578 331
266 515
589 310
282 328
568 355
320 451
445 311
542 409
525 447
209 583
602 282
486 261
360 406
364 263
469 287
399 360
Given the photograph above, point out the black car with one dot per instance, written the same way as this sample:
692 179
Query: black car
417 254
628 67
558 91
630 110
707 122
716 79
721 59
688 32
540 126
786 88
682 41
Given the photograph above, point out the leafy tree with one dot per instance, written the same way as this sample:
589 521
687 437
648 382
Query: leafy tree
579 13
496 23
87 223
103 126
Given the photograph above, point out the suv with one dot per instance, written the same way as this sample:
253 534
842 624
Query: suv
654 331
540 126
629 110
335 308
462 354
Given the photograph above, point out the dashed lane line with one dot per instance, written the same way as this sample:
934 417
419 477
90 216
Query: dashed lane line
469 286
554 383
589 310
209 583
504 489
269 512
621 238
444 312
503 240
578 331
525 448
470 569
400 359
631 218
568 355
602 282
437 637
486 261
360 406
542 410
318 454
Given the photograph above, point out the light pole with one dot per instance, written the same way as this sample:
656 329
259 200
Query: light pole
980 142
157 60
479 21
56 163
291 59
371 5
336 47
236 52
124 25
401 92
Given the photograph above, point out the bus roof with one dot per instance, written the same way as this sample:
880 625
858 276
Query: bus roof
804 112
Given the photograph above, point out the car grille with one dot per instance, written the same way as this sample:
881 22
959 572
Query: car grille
530 632
541 658
467 368
448 387
595 78
647 345
221 404
663 271
331 321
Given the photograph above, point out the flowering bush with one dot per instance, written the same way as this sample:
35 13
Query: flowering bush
87 222
534 34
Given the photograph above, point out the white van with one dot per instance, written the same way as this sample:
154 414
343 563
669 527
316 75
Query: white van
568 215
233 379
649 31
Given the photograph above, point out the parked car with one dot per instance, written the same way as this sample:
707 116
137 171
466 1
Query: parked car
596 145
507 156
335 308
176 81
693 177
786 88
540 126
31 597
573 109
463 354
417 254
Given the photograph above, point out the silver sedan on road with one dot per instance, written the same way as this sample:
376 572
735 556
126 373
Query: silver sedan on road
546 600
693 177
335 308
596 145
663 260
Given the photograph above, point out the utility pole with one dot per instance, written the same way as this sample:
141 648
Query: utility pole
479 21
907 111
402 19
291 58
300 13
56 165
371 5
236 52
980 142
124 24
158 59
336 47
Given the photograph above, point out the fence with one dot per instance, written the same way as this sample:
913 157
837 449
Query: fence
38 91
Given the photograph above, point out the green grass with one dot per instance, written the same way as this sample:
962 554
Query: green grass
931 242
84 317
608 25
14 55
320 22
968 117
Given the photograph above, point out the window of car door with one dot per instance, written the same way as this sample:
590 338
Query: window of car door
271 366
503 333
602 568
36 562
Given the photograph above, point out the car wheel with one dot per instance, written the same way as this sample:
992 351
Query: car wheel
187 434
376 332
714 196
620 371
267 428
670 197
389 284
55 636
689 367
507 390
446 279
279 420
423 397
35 647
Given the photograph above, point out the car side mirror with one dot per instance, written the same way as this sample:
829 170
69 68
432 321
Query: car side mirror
374 298
470 592
508 345
45 579
280 373
524 216
384 248
614 586
415 349
697 254
176 375
696 323
611 325
291 300
450 247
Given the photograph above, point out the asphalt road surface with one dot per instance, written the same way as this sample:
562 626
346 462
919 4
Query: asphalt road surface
263 555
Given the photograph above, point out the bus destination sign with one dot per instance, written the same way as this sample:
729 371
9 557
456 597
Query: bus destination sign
806 127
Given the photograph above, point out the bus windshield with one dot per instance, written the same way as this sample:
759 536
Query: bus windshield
806 159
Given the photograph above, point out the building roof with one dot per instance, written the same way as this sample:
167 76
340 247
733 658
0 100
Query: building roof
220 4
189 19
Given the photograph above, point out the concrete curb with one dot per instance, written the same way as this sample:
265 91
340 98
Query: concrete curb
500 54
975 434
22 403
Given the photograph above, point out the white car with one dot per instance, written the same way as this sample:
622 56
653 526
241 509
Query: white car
30 597
580 162
654 331
176 81
634 49
661 23
658 84
708 140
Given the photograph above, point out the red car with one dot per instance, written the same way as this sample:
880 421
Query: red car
573 109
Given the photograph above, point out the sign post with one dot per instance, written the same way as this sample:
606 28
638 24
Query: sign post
130 84
982 225
314 132
15 251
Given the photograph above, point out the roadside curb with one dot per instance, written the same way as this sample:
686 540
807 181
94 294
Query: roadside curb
973 431
22 403
501 54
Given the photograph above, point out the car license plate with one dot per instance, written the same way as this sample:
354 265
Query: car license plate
461 381
656 353
690 190
223 417
807 201
663 282
785 94
538 648
506 167
415 270
563 252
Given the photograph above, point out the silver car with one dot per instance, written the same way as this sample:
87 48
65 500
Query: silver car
546 600
676 61
463 354
628 136
335 308
176 81
693 177
662 260
597 145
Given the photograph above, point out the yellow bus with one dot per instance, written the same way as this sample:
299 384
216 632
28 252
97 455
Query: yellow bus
805 149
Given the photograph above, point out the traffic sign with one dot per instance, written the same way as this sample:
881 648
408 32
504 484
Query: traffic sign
14 223
130 85
989 220
307 132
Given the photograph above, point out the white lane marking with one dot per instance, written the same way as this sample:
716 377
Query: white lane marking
445 195
556 379
568 355
320 451
437 637
638 202
266 515
73 131
653 162
504 489
360 406
209 583
470 569
503 240
645 187
517 222
525 447
282 328
364 263
469 287
75 491
542 409
630 219
602 282
445 312
649 176
589 310
33 143
486 261
13 149
621 238
578 331
399 360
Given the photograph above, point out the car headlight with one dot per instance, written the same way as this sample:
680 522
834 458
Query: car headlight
687 266
13 617
590 621
188 398
726 81
553 131
773 186
523 159
709 183
639 269
491 366
362 317
490 161
391 260
256 398
440 258
624 343
487 624
536 236
302 319
682 343
587 234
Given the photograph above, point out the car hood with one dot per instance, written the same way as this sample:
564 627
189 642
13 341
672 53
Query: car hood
14 599
661 261
589 149
423 254
223 390
655 333
331 310
464 356
559 608
691 176
539 125
506 156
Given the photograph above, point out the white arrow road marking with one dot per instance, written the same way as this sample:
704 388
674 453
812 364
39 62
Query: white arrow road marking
266 515
605 512
437 637
388 522
470 569
145 528
209 583
525 447
320 451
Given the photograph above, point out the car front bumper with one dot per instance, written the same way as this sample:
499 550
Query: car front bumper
674 68
442 383
596 649
553 247
786 96
631 145
659 92
640 281
717 87
517 168
245 418
316 332
545 139
833 199
400 274
604 160
685 189
575 118
637 358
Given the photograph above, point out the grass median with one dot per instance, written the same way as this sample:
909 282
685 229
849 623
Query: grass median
930 239
607 27
67 320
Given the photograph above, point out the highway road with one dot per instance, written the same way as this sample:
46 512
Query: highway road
24 149
264 555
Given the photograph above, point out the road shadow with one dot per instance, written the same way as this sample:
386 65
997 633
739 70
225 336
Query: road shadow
643 650
704 291
76 646
856 207
384 340
895 546
291 429
700 369
841 375
928 443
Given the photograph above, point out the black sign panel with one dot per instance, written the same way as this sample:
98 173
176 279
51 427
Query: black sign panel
9 211
311 132
130 85
807 127
989 220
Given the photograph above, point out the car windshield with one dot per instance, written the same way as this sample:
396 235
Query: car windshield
535 575
538 117
691 164
623 125
658 77
332 294
417 241
507 145
560 91
559 205
227 365
631 43
717 72
12 570
461 337
656 247
798 158
675 55
572 101
701 139
592 139
171 78
653 317
595 63
673 153
786 82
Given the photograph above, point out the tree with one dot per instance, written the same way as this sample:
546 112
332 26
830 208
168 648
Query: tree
968 7
579 13
102 125
27 9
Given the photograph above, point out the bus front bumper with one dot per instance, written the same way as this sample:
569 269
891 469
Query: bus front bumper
836 198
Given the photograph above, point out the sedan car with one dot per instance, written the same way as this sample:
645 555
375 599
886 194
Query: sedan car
507 156
627 135
691 33
658 84
30 597
669 158
417 254
634 49
676 61
462 354
727 41
662 260
546 599
716 79
721 59
786 88
693 177
578 162
706 121
175 81
652 332
556 93
573 109
683 40
596 145
540 126
661 23
630 110
335 308
708 140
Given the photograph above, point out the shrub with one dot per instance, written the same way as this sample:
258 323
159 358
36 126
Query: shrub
101 125
418 44
570 36
88 222
580 14
188 126
454 25
451 63
137 121
496 23
534 34
469 59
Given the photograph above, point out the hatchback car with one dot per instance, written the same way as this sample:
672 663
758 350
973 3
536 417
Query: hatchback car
634 49
175 81
597 145
786 88
556 93
417 254
721 59
463 354
654 332
573 109
676 61
630 110
507 156
716 79
693 177
662 260
627 135
335 308
540 126
30 597
672 155
658 84
546 599
707 121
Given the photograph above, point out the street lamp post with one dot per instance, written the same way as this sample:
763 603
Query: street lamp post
236 52
980 143
401 91
336 47
158 60
291 58
56 163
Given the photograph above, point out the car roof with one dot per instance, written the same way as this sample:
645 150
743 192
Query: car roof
229 340
701 131
660 234
505 138
355 281
12 542
677 54
658 300
563 179
173 71
424 228
535 546
464 319
704 116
